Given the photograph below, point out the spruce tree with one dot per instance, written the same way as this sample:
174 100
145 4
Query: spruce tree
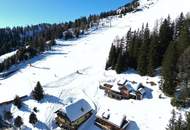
112 57
165 37
169 69
188 120
153 55
8 115
17 102
38 92
184 39
183 68
179 123
18 122
179 25
143 58
121 64
172 121
33 119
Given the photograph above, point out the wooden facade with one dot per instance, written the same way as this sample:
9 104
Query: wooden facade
64 122
123 92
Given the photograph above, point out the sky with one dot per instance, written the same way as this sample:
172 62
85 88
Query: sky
28 12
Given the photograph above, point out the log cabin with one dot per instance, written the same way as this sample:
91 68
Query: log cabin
74 115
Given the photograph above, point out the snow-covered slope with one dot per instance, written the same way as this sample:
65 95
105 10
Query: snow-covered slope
74 68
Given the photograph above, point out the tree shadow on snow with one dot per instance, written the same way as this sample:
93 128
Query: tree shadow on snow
24 127
25 108
133 126
41 126
130 71
51 99
148 94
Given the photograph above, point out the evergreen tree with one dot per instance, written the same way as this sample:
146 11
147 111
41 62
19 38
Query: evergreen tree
169 69
179 123
18 121
33 119
184 39
121 64
172 121
188 121
179 25
165 37
38 92
133 49
8 115
183 68
142 59
112 58
153 55
17 102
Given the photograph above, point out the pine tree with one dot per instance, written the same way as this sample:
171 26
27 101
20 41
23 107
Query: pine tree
121 64
172 121
179 123
179 25
184 39
142 59
112 57
18 121
169 69
165 37
17 102
33 119
183 68
153 55
188 121
38 92
8 115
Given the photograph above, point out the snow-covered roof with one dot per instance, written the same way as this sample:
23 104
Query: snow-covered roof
77 109
114 118
122 81
132 86
115 88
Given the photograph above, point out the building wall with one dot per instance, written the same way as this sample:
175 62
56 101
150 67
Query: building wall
106 125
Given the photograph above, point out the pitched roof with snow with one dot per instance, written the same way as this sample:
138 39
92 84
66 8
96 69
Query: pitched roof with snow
114 118
77 109
132 86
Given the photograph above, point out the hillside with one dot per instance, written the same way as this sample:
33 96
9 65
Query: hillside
57 70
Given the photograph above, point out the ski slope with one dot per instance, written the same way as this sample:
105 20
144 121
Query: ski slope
73 69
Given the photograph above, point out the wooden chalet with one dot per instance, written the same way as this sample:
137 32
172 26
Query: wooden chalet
111 121
74 115
124 90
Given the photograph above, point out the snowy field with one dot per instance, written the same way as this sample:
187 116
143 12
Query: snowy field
57 71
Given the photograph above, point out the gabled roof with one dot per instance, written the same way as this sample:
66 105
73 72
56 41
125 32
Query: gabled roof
132 86
114 118
77 109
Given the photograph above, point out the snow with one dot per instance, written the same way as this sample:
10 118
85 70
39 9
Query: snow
5 56
87 55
